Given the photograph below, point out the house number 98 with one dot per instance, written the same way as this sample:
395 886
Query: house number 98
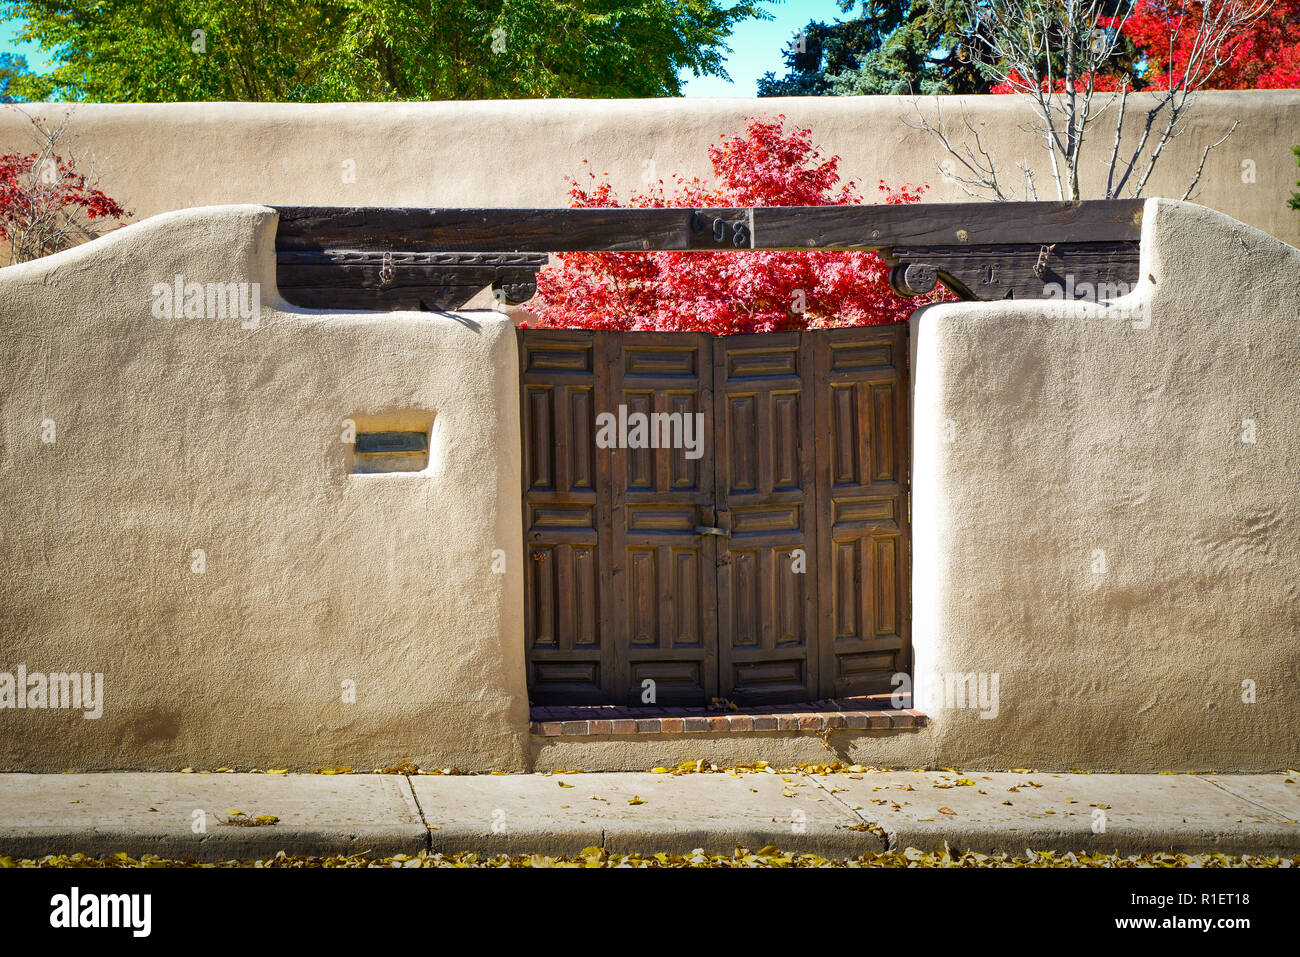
739 229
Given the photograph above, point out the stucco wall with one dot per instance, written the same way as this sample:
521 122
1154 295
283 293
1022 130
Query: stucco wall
1088 522
162 157
1092 523
173 435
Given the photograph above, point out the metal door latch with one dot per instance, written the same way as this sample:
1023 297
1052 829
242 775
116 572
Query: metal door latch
1040 267
711 530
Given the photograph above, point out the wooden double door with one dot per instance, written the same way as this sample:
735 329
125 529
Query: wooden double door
714 517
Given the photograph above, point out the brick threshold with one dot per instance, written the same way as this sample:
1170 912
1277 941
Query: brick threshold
863 713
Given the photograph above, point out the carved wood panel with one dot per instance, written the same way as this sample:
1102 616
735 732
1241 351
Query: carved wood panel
863 519
663 569
571 657
765 457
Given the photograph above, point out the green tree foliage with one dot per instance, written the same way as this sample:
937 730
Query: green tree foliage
11 68
1294 201
301 50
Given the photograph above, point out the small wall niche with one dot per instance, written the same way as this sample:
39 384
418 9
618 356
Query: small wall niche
391 442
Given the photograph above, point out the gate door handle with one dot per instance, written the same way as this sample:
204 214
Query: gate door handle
711 530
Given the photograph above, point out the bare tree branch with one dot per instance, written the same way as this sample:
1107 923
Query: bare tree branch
1197 178
1052 52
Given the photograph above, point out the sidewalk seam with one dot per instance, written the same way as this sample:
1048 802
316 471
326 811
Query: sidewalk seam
428 835
891 838
1241 797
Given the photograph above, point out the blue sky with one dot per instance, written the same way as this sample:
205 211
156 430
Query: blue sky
756 47
30 50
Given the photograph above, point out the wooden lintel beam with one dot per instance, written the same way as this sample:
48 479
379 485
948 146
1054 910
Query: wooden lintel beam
417 258
776 227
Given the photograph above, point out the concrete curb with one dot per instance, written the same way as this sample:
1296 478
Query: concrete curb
185 815
1099 813
676 814
833 815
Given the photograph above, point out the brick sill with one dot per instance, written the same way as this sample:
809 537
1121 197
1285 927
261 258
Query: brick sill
866 713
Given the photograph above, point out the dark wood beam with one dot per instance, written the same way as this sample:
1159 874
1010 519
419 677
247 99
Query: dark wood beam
359 257
770 227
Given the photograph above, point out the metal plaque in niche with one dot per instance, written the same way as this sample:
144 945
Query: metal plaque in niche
377 452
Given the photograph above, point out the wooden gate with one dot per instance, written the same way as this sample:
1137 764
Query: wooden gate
764 562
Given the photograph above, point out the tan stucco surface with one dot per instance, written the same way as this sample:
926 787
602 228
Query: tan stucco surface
1047 435
180 434
160 157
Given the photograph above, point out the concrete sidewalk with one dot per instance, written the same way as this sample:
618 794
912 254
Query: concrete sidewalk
222 816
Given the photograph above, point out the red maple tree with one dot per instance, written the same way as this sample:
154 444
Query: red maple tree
1101 82
1263 55
728 292
43 200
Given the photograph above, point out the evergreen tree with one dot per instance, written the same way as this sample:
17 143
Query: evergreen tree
889 46
905 47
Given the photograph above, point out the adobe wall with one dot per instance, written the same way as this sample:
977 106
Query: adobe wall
1089 522
161 157
1106 513
177 435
